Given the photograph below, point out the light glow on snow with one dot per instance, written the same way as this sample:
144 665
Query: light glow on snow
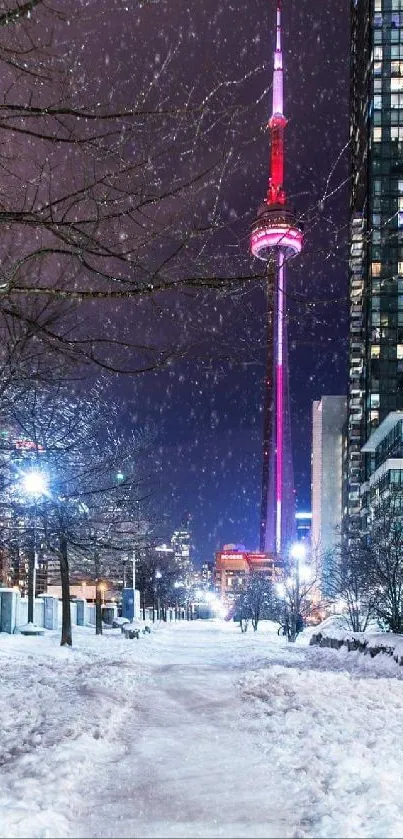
198 730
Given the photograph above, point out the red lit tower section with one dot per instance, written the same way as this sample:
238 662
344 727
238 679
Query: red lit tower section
276 237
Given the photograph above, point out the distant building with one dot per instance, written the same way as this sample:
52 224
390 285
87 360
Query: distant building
207 574
178 550
234 563
181 546
328 420
303 526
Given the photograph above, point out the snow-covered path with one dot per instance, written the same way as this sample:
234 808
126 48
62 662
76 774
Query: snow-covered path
198 731
190 767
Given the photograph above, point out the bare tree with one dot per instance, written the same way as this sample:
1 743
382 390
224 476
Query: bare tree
256 601
385 545
110 192
297 589
349 578
86 511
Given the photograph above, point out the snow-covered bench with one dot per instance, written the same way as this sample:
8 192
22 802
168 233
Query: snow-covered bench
133 629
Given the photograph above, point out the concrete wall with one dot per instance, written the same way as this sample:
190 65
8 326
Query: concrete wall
47 611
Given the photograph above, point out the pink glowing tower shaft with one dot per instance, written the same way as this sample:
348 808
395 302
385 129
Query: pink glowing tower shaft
279 411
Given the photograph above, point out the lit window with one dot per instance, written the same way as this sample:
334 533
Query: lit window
376 268
399 351
377 134
400 268
378 53
374 400
378 99
396 84
375 350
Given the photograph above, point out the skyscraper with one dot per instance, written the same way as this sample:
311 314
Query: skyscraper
277 237
376 239
328 419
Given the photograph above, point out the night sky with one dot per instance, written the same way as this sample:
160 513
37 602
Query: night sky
206 410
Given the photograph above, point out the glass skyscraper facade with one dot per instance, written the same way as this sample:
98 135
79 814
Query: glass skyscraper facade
376 236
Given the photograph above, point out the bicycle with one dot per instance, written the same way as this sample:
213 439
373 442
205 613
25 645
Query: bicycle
285 629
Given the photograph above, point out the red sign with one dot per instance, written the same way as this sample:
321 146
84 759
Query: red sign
29 445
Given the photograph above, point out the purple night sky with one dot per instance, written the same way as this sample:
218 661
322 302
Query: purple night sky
209 416
206 409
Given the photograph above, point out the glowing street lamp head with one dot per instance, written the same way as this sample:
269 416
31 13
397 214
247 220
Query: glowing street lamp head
34 483
298 550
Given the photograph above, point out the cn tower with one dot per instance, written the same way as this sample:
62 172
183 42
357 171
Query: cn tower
276 237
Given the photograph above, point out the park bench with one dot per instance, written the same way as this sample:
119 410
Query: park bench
130 632
133 630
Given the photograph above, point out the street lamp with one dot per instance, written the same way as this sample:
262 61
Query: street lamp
158 576
297 553
34 484
177 585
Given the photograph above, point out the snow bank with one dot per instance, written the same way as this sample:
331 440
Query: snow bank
368 643
60 709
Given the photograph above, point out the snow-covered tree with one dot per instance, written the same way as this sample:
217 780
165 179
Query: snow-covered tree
88 514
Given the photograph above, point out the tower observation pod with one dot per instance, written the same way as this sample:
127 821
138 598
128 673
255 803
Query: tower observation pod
276 237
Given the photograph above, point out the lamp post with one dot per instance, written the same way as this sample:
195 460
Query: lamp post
158 576
177 586
34 484
297 554
134 569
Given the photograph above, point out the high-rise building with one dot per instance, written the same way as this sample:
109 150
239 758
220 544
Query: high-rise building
276 238
303 526
181 545
328 421
179 550
376 239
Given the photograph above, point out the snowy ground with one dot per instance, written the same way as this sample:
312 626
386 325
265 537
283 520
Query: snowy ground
197 731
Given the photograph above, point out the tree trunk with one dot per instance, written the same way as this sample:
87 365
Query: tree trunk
65 578
293 626
98 598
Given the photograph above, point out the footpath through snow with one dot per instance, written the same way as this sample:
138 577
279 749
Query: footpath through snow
197 731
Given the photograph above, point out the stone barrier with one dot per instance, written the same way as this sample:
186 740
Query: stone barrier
363 645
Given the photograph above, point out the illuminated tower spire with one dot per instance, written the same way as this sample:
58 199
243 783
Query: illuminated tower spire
276 237
277 123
